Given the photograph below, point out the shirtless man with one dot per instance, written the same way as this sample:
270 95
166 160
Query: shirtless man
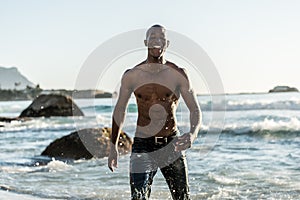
157 85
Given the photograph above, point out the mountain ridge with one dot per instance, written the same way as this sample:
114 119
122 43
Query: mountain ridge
11 78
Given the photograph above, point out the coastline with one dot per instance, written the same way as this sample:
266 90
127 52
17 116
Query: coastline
32 93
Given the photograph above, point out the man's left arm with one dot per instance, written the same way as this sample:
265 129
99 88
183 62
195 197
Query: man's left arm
185 141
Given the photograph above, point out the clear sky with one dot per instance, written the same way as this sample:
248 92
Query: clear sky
254 44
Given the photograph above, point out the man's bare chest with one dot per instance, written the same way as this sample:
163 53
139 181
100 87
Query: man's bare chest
155 82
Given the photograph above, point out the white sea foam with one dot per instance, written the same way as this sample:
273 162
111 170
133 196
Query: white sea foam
52 166
267 124
270 124
7 195
250 104
56 165
55 124
223 179
15 169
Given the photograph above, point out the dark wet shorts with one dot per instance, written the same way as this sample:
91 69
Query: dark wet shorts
149 154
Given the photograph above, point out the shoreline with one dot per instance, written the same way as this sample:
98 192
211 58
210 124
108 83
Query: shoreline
204 94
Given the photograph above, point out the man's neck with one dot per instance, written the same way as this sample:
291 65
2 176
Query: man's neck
159 60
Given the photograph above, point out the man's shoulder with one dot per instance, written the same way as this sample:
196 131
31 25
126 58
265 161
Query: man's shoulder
132 73
141 63
133 69
177 68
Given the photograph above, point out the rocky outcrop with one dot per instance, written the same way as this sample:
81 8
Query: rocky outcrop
8 119
86 144
284 89
52 105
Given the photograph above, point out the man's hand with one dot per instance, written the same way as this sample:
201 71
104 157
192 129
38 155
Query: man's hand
184 142
113 158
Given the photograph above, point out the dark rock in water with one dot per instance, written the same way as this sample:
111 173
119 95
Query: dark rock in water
52 105
86 144
284 89
9 119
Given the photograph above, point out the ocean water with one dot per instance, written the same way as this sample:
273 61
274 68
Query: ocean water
256 156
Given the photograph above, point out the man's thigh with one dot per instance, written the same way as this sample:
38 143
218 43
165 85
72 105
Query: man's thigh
142 172
176 175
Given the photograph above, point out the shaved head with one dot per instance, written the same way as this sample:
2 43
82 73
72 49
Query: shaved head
155 26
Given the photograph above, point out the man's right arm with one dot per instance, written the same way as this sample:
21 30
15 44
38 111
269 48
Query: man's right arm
118 119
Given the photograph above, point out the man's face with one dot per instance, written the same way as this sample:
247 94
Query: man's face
156 41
